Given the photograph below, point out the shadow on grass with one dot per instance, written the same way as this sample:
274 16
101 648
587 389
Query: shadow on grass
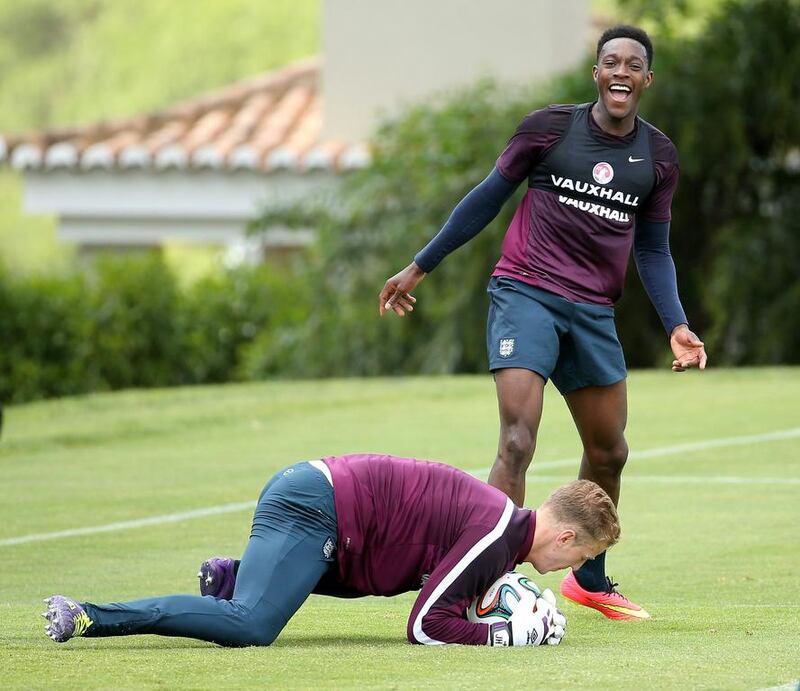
157 643
337 641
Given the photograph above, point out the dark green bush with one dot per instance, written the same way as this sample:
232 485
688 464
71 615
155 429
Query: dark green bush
730 100
45 337
231 320
136 331
125 323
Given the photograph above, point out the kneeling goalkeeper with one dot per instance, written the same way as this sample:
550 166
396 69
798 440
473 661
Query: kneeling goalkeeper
365 524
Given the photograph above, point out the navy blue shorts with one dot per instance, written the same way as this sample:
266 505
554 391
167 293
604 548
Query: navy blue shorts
574 344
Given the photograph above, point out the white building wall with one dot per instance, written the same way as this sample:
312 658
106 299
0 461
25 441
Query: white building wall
143 207
381 54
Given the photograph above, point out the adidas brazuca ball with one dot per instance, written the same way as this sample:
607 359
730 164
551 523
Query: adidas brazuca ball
501 600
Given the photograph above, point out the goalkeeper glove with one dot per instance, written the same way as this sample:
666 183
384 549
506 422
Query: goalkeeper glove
541 624
558 622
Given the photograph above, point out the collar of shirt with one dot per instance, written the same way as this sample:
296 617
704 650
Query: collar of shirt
528 541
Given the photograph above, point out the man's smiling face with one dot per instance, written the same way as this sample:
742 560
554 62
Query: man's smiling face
622 74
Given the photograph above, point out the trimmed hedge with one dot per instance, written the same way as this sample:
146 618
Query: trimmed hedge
126 324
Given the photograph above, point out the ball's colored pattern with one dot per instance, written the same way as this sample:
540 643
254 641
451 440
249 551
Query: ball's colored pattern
502 598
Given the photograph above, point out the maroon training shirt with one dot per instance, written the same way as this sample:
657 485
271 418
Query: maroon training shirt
572 233
405 524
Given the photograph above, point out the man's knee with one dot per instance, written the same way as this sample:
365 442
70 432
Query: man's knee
517 444
256 639
249 628
247 639
610 458
260 631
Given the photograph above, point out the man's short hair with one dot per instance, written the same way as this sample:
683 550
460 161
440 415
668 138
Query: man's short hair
627 31
585 506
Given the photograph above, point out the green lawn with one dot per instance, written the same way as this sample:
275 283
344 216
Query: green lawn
709 546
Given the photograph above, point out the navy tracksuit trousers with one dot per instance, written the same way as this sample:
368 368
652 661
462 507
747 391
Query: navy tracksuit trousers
291 547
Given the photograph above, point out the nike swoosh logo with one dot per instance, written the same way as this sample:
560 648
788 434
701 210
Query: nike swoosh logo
639 614
631 159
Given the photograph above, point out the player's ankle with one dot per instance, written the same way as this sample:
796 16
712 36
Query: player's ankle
589 580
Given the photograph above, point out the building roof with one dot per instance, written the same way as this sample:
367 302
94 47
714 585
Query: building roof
266 123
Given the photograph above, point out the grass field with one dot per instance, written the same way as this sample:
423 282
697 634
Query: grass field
710 517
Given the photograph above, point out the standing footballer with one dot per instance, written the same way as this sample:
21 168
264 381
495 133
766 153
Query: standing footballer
600 180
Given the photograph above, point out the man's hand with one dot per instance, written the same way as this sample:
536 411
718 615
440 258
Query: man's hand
396 294
687 348
543 624
559 621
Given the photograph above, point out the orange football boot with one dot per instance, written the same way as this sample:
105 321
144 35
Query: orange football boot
609 602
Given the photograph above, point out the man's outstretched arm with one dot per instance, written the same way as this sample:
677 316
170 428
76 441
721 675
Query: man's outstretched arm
657 271
470 216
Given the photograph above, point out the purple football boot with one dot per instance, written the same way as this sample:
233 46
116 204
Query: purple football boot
65 619
217 577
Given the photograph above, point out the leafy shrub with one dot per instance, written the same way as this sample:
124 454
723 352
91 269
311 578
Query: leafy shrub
231 320
136 332
45 335
127 324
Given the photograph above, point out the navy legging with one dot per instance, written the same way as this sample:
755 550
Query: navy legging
292 545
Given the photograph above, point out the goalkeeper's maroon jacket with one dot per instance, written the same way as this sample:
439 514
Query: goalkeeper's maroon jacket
405 524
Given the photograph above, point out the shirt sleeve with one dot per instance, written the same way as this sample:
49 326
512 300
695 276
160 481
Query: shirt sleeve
474 562
535 134
658 206
472 214
657 271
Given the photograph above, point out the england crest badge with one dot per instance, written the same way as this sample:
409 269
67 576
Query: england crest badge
506 347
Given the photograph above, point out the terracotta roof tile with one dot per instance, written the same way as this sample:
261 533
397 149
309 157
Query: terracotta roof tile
269 122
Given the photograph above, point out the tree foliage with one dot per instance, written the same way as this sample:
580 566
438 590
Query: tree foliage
730 100
79 60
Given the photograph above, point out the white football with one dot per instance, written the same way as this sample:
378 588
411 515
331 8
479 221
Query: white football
504 596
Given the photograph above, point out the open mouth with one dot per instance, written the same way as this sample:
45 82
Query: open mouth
620 92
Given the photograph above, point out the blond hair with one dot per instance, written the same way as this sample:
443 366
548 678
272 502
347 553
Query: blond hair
585 506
